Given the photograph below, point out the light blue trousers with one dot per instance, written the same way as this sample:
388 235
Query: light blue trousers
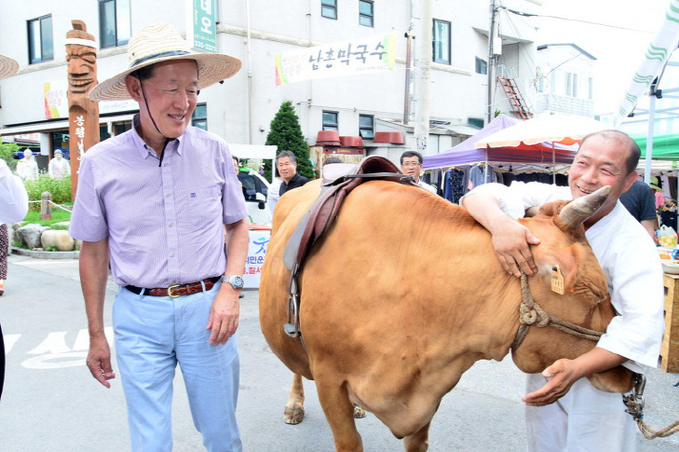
152 335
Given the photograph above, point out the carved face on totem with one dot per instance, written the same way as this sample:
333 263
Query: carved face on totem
81 54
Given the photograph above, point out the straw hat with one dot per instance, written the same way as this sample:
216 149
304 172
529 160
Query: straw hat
8 67
158 43
654 183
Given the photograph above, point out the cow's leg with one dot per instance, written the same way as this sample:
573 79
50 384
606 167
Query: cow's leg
418 441
294 409
339 411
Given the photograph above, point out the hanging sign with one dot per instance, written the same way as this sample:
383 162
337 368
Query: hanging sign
358 56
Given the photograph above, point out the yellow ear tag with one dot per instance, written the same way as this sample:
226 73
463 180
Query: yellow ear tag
557 280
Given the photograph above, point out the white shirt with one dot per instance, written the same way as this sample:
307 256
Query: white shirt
13 196
272 194
427 187
630 261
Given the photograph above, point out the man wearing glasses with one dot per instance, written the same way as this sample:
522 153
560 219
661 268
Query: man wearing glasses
411 164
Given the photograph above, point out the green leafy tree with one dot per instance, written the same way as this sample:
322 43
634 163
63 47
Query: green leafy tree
286 133
6 151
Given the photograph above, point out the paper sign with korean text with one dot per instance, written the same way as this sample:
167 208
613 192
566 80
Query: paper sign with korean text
56 99
358 56
259 241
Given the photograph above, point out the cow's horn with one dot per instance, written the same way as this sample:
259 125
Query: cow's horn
576 212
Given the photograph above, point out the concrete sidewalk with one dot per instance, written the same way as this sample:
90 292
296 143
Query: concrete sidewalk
51 403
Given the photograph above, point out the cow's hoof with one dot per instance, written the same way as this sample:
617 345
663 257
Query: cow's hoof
359 413
293 416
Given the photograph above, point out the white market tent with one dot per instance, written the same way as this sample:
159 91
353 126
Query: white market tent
253 151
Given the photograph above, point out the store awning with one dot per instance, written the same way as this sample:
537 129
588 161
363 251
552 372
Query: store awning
51 126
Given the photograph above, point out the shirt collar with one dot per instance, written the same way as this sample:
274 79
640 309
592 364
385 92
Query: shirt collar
146 151
294 179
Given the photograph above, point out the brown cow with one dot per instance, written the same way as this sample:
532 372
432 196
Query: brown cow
397 303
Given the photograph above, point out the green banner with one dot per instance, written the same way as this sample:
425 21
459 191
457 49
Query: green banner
204 25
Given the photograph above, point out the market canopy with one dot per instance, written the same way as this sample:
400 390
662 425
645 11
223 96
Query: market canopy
468 152
665 147
550 128
253 151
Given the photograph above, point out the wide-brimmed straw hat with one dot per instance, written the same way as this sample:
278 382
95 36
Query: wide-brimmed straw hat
8 67
159 43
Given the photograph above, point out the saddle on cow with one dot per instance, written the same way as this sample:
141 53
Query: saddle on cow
338 181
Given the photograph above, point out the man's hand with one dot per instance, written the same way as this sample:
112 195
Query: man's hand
511 241
99 360
223 319
562 374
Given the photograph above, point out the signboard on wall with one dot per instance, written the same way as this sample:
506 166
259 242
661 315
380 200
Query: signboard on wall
56 99
202 27
358 56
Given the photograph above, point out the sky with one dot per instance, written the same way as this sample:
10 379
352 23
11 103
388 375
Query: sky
616 32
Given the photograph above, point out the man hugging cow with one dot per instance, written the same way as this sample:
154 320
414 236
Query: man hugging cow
564 411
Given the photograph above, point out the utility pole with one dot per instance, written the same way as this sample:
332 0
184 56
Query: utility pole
423 56
492 62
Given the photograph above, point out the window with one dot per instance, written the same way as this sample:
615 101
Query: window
199 117
329 9
590 88
571 84
330 120
365 13
114 22
40 43
481 66
366 126
477 123
441 42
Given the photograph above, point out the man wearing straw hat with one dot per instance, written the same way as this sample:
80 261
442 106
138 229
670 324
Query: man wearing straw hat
156 201
13 208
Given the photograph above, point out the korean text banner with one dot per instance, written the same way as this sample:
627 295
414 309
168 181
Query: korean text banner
358 56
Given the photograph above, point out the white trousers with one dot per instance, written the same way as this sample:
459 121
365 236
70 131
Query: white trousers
152 336
584 420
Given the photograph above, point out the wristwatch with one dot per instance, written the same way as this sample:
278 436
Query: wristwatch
235 281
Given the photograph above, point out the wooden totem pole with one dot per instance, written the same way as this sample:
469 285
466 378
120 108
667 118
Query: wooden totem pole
83 113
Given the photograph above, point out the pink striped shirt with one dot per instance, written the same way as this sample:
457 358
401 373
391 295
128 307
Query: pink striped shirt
164 224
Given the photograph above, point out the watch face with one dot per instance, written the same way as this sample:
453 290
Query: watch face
235 281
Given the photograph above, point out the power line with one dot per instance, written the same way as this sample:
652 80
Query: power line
568 19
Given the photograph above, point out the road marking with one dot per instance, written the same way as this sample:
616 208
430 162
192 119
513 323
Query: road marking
54 353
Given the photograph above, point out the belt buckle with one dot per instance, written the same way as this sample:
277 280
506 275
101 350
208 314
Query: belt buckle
169 290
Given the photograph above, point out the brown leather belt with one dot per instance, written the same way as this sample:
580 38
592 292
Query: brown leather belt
177 290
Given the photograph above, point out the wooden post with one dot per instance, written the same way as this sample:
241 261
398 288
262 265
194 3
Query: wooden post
83 113
46 206
669 350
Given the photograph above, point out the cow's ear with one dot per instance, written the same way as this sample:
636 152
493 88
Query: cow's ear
568 263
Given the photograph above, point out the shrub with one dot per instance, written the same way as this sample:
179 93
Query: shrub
59 188
6 152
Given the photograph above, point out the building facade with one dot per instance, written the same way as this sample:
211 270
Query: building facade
256 31
565 80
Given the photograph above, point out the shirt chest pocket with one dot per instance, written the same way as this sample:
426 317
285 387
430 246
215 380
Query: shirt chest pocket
198 210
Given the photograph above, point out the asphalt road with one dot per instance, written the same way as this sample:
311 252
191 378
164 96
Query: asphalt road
52 404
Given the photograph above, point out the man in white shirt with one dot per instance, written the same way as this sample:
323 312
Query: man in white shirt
411 165
564 411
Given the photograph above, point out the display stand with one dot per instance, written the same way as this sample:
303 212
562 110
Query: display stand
669 351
